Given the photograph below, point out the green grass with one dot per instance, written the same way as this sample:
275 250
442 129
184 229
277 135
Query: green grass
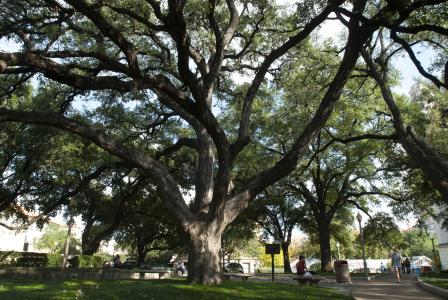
441 283
157 290
435 275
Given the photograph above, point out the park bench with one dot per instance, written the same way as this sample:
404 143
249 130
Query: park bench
243 276
308 280
137 274
154 273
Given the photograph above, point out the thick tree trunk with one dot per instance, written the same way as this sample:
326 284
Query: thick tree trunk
141 255
286 262
204 261
325 248
91 247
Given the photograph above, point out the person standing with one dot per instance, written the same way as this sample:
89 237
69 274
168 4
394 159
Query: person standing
117 261
396 263
407 265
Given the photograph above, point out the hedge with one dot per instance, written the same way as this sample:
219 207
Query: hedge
34 259
87 261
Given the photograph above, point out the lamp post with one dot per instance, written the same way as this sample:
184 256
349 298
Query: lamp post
359 218
339 253
26 243
434 253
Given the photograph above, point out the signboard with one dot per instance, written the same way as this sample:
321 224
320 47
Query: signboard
272 249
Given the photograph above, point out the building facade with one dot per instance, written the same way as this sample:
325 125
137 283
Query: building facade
441 234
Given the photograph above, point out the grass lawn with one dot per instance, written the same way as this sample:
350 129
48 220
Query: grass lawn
441 283
437 279
435 275
157 290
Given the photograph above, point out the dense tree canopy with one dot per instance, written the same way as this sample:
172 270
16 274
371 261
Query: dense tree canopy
144 82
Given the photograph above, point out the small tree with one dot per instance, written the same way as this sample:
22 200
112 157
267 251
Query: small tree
381 236
53 240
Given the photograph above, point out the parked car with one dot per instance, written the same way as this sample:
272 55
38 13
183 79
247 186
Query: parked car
233 268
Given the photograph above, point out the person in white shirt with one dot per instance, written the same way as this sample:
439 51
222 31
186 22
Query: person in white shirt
396 263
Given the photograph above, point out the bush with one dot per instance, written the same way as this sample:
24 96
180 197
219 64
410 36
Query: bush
54 260
9 258
34 259
87 261
23 259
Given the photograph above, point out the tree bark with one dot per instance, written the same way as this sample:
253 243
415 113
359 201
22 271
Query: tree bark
286 262
325 248
141 254
204 260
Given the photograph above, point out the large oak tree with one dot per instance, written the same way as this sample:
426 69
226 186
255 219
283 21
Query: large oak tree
183 55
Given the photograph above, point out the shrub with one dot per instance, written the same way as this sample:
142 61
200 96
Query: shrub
23 259
54 260
87 261
8 258
32 259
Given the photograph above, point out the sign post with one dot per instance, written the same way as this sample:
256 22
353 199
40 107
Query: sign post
272 249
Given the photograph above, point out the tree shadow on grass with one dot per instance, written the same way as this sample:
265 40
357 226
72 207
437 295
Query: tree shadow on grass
158 290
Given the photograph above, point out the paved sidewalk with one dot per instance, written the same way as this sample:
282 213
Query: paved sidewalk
384 287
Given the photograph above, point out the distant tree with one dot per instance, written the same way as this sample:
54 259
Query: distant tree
417 242
278 213
239 238
146 228
381 236
53 240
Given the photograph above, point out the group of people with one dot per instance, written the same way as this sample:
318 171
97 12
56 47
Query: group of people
398 264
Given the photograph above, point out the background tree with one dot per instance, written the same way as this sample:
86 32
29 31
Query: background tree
146 228
278 213
381 236
53 238
420 149
417 242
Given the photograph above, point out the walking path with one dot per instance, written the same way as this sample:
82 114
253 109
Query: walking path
383 287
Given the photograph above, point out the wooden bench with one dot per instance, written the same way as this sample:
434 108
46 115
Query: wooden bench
308 280
243 276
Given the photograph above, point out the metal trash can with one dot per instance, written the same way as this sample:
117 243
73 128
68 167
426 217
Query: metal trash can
341 271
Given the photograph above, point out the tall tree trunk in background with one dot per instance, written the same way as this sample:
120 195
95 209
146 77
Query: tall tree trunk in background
286 262
325 248
67 241
141 254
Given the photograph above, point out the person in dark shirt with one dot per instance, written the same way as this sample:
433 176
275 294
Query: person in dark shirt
117 261
407 265
301 265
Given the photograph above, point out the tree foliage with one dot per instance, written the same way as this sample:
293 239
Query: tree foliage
149 75
53 240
